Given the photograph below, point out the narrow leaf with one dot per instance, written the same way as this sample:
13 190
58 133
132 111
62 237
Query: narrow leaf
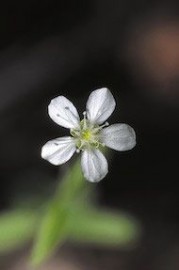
101 227
16 228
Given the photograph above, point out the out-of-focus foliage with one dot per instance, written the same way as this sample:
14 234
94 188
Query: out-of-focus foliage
16 228
102 227
70 216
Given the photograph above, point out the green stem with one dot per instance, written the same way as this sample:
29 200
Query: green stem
53 229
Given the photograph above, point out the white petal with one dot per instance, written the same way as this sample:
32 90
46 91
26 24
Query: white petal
58 151
94 165
63 112
100 105
120 137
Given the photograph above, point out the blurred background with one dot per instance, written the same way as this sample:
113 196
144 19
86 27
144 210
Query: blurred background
50 48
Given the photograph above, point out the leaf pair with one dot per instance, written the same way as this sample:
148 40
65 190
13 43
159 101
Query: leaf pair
70 216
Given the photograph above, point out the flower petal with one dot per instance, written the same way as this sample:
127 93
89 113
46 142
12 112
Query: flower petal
94 165
100 105
63 112
120 137
59 151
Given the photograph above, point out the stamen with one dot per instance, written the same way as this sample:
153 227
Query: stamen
77 150
105 125
97 129
85 120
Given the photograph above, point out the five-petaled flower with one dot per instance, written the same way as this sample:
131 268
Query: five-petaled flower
89 135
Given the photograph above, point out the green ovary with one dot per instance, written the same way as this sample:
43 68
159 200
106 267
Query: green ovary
86 135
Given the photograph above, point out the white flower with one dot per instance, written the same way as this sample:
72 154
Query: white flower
88 135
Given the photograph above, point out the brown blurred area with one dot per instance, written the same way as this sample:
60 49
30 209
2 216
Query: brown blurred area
69 48
153 56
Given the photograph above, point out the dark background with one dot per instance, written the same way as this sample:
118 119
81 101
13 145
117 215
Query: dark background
51 48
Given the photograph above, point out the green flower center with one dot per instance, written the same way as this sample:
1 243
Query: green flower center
87 135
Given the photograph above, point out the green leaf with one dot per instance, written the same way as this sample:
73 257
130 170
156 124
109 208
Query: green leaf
54 226
101 227
16 228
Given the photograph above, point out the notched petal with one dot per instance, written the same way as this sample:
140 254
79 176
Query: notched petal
63 112
100 105
120 137
58 151
94 165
